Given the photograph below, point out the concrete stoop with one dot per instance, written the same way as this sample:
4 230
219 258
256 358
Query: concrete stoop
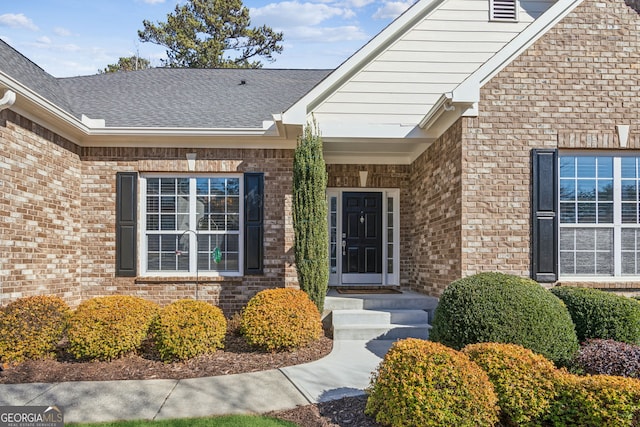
379 316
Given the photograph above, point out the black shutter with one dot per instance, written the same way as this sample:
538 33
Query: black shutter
126 227
544 215
253 222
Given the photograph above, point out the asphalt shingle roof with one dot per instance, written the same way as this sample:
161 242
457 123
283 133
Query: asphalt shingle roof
168 97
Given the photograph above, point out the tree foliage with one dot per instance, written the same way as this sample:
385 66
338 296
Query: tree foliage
212 34
130 63
310 215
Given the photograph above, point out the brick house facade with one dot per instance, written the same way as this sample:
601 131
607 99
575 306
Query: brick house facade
461 191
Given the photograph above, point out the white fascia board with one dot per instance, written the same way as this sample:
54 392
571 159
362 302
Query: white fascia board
298 112
469 90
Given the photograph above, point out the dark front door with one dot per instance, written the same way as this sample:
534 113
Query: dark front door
362 238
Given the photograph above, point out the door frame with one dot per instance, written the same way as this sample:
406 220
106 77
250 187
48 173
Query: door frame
390 227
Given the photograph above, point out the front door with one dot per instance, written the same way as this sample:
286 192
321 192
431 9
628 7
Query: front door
362 238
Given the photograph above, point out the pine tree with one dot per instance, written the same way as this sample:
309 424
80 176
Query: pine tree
310 215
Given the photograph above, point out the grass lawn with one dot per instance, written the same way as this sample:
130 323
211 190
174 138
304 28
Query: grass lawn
223 421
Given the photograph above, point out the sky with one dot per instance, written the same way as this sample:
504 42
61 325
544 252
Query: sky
79 37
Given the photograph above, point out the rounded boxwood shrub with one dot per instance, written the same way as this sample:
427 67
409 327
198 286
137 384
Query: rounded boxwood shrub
188 328
104 328
496 307
522 380
608 357
423 383
600 314
595 400
31 327
280 319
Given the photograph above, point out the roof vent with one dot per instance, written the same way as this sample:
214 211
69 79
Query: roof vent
503 10
243 82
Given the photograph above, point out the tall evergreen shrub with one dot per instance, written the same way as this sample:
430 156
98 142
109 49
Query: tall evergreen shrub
310 215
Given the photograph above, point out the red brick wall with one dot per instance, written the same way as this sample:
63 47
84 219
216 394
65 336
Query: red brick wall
435 222
40 212
568 90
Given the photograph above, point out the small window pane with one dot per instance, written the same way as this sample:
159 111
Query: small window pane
604 264
202 186
168 186
605 167
586 167
154 242
587 190
568 213
233 205
153 222
567 238
629 167
605 190
585 239
168 204
217 187
629 190
604 238
605 213
153 204
628 239
629 265
153 186
233 187
585 263
567 189
567 263
629 213
167 222
587 213
567 166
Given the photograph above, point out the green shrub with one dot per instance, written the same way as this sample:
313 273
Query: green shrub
522 380
600 314
188 328
31 327
422 383
598 400
281 319
495 307
105 328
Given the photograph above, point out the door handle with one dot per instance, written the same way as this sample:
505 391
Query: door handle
344 247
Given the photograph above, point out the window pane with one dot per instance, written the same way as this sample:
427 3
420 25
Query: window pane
567 166
167 222
587 190
587 213
585 263
629 167
629 213
629 265
153 186
567 263
233 187
217 187
586 167
183 186
605 167
568 213
567 189
604 239
629 190
604 263
605 190
168 204
153 242
567 239
153 204
585 239
202 186
168 186
233 205
605 213
153 222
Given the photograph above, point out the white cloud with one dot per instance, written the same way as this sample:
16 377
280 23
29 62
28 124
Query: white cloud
289 14
392 9
62 32
326 34
44 40
17 20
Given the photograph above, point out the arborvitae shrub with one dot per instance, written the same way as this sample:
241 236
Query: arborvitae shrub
598 400
423 383
31 327
281 319
608 357
105 328
522 380
600 314
495 307
188 328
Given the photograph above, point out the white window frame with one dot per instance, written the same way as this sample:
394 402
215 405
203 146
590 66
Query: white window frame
388 279
193 270
617 225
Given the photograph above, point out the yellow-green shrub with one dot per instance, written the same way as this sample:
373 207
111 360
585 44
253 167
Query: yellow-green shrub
31 327
522 380
598 400
423 383
105 328
188 328
280 319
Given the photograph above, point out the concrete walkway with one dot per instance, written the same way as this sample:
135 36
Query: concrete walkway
344 372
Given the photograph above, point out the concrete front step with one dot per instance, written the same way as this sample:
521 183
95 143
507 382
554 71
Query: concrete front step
381 332
367 317
379 316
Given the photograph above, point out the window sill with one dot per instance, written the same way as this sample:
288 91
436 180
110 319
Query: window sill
188 279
